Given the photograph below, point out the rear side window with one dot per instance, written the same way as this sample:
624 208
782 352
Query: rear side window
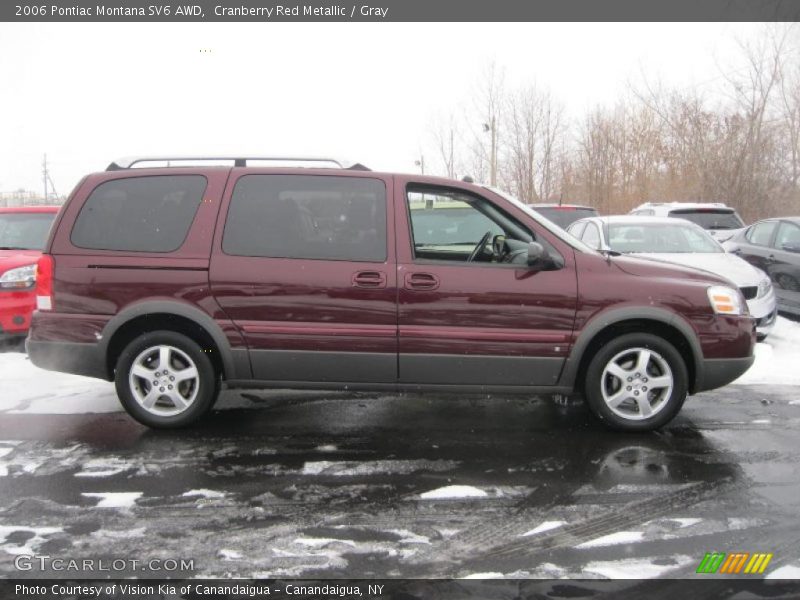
313 217
710 218
139 214
563 216
760 234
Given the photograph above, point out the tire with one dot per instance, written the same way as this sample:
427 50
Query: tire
143 385
662 385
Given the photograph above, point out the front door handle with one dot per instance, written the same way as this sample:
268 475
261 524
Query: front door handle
369 279
421 281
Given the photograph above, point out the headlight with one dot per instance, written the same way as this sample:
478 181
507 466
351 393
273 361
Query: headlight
726 301
764 287
21 278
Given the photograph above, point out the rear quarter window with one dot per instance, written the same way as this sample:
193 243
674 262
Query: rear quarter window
139 214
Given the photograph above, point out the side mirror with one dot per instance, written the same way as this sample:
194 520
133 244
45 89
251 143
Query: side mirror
537 254
540 259
604 248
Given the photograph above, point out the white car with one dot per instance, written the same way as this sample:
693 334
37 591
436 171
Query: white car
720 220
682 242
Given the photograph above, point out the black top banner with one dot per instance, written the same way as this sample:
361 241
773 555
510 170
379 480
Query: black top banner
401 10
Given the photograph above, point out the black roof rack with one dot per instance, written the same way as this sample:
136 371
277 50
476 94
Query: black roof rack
238 161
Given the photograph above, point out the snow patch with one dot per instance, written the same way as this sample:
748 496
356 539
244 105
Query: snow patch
375 467
204 493
786 572
321 542
620 537
30 545
636 568
114 499
486 575
454 491
776 357
103 468
226 554
26 389
546 526
123 534
409 537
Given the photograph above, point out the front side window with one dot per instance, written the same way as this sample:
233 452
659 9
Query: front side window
139 214
307 217
452 225
760 234
24 231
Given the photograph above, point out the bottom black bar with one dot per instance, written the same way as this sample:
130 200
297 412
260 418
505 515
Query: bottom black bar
401 589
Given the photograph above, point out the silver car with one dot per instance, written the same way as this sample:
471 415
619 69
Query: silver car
682 242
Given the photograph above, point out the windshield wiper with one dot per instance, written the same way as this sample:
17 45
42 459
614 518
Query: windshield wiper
13 248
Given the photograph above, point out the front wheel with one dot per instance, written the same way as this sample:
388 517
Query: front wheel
165 380
636 382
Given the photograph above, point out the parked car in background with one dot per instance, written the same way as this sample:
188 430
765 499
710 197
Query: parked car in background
23 233
564 214
773 245
719 220
170 281
684 243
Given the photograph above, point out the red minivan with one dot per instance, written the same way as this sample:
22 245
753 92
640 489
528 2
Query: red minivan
175 280
23 233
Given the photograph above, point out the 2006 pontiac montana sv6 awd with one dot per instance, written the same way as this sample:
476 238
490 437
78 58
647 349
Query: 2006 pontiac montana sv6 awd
170 280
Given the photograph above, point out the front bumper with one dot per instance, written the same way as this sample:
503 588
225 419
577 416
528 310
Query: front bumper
764 311
67 357
15 313
717 372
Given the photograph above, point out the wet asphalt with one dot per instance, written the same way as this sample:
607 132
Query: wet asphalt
313 484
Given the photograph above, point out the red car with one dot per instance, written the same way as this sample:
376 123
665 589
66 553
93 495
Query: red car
173 281
23 233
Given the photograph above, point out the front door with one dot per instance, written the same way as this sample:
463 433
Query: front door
471 311
304 267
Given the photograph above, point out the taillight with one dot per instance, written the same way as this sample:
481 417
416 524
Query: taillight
44 283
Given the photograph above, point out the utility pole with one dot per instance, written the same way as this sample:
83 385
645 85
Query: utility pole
494 152
491 128
421 164
45 177
452 173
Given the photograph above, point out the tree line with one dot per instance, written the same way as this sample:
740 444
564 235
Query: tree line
740 145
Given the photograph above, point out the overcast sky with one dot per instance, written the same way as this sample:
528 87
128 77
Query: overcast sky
88 93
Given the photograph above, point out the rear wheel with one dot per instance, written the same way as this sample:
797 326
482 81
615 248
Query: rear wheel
636 382
165 380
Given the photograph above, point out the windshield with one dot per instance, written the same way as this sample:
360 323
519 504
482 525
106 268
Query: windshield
545 222
660 238
564 216
24 231
710 218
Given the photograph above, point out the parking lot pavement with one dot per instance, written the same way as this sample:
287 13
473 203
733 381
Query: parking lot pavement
361 485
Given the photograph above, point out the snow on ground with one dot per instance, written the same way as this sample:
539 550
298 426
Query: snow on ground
25 388
114 499
453 491
777 357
